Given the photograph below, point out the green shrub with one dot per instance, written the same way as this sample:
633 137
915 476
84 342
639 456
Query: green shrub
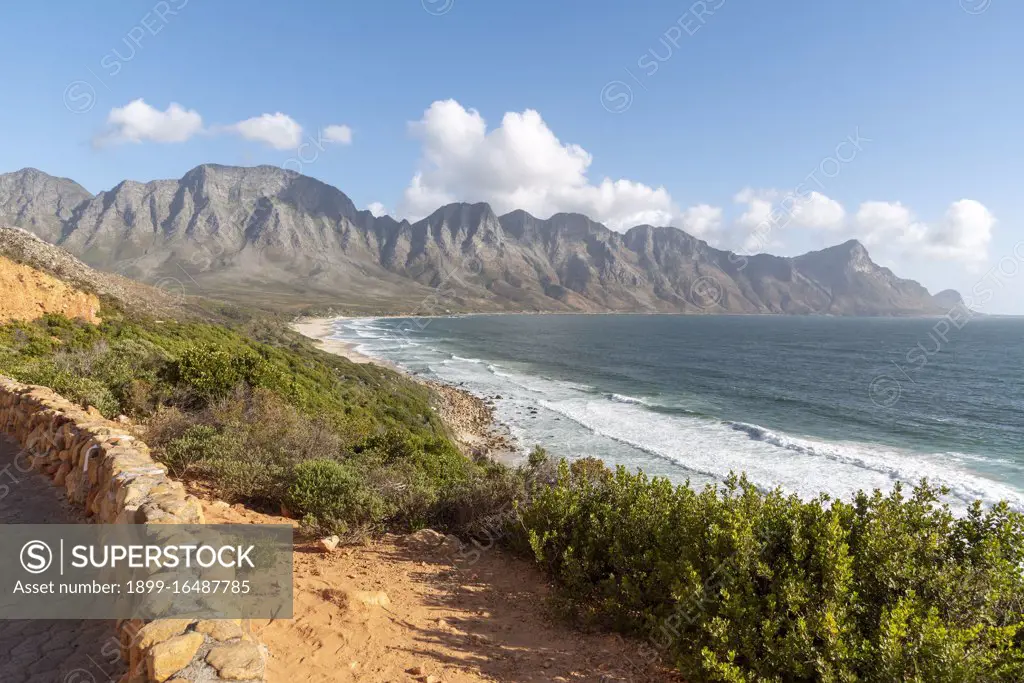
213 371
199 443
332 497
736 584
83 390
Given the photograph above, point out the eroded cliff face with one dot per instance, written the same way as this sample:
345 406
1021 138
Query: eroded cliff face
27 294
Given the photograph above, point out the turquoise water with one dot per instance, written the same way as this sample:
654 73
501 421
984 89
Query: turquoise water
809 404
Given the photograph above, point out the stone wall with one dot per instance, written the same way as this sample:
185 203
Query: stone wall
110 473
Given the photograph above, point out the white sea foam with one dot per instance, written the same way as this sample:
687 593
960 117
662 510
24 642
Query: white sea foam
632 400
571 419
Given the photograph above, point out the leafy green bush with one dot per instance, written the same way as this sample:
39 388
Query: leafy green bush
199 443
84 390
332 497
735 584
213 371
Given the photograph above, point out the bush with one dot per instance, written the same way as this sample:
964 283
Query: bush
331 497
199 443
736 584
213 371
84 390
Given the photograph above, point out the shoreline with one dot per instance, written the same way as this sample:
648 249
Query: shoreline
469 417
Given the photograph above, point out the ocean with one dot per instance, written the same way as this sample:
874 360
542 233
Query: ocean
809 404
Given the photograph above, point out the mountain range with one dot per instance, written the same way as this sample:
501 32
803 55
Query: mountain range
267 235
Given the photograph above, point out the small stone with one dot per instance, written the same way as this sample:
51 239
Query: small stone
219 629
329 543
451 545
160 630
379 598
418 670
62 474
169 657
220 505
238 661
425 539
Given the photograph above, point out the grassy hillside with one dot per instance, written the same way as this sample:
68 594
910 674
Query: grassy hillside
257 413
729 584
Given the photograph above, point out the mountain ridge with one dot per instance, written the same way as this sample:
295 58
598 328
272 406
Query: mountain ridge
266 232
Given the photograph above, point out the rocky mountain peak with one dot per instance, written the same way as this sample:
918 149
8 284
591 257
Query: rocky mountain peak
39 201
274 231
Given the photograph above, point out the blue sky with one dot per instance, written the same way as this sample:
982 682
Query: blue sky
705 116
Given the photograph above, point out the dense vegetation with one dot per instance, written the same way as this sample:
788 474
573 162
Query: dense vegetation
735 584
728 584
261 416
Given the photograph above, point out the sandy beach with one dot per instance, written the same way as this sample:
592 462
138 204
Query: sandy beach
469 417
319 330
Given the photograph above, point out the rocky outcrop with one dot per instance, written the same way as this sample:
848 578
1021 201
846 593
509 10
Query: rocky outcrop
29 294
25 249
111 475
270 233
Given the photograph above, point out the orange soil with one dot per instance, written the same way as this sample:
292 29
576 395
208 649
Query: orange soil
451 622
27 294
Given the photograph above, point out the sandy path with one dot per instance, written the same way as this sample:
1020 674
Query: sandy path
459 621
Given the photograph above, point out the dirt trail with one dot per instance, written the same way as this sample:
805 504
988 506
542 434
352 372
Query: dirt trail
457 622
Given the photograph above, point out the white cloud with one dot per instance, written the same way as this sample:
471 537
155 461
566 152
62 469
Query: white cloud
702 219
817 212
338 133
280 131
521 164
759 207
377 209
887 223
139 122
756 223
813 211
962 235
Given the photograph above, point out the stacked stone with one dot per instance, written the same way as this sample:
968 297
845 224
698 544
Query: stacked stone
180 650
112 475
